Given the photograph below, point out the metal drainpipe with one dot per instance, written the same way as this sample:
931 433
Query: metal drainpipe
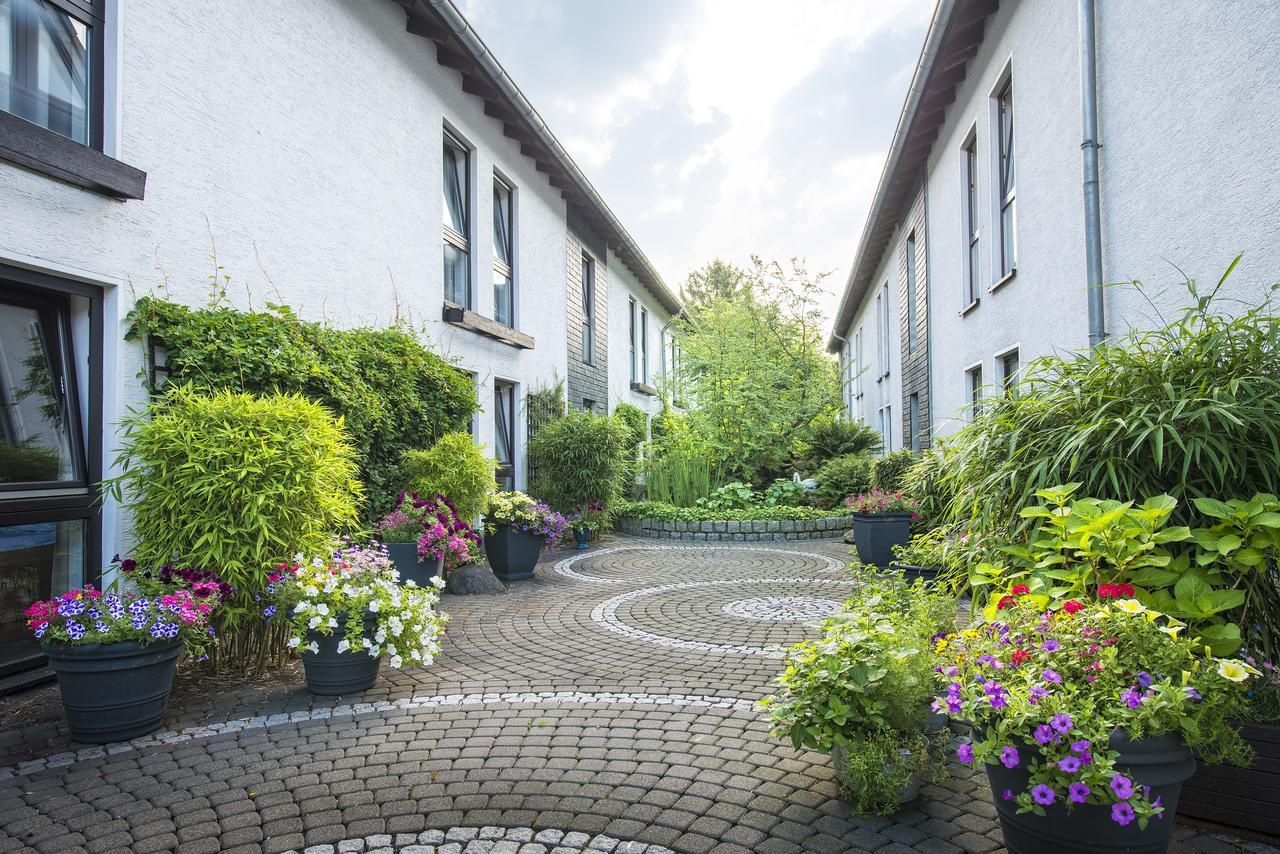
1092 194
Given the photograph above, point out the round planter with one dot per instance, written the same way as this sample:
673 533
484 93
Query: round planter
1162 762
582 537
512 554
330 673
410 567
875 535
114 691
840 758
911 573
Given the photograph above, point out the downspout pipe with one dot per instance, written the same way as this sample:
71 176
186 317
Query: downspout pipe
1092 192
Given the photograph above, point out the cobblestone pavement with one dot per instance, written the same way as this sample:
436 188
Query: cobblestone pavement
606 705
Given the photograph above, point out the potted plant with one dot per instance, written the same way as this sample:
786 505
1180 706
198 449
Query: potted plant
1086 717
592 516
862 692
115 653
347 611
399 531
928 555
881 520
516 528
446 538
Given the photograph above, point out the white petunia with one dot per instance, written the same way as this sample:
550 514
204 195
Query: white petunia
300 607
395 661
437 581
313 622
314 647
344 645
322 609
293 643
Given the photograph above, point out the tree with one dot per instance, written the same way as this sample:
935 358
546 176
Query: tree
755 369
718 280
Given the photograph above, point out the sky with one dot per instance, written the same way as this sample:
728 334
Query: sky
720 128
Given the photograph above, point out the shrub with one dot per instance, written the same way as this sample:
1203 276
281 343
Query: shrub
393 393
455 467
841 477
237 484
679 474
880 501
578 460
831 439
635 420
785 493
924 482
1188 410
732 496
890 471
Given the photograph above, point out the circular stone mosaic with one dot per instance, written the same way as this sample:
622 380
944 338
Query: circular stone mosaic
489 840
782 609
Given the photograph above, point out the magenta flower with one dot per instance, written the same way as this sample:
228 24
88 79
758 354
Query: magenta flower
1132 697
1122 813
1069 764
965 753
1042 795
1078 792
1009 757
1122 786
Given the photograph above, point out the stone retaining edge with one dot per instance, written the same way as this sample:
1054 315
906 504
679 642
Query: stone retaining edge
738 532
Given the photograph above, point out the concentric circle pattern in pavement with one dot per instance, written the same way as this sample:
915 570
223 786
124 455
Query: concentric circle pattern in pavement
608 704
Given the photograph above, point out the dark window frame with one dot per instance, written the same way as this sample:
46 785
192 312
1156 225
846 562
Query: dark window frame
631 318
644 345
451 236
912 308
588 340
973 377
973 268
501 267
506 469
1007 178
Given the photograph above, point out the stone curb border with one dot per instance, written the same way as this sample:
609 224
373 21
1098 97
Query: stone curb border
496 840
564 566
737 532
351 710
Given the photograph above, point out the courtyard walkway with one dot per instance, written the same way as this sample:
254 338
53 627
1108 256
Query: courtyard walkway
607 705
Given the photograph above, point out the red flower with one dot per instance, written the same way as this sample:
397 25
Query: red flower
1006 602
1020 590
1021 656
1115 591
1072 606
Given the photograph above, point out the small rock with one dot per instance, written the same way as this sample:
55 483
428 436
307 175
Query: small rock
473 579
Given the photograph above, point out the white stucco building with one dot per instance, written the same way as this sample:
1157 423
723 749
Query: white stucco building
973 260
358 160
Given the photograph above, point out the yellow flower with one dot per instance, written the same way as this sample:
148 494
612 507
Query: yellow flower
1131 606
940 645
1236 671
1172 631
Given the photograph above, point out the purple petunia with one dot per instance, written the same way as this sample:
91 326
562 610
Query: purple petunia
1042 795
74 630
1044 734
1081 746
1051 645
74 608
139 607
1193 693
998 701
954 706
1052 677
1062 723
1008 794
1122 813
1009 757
1144 679
1122 786
269 611
1132 697
965 753
1078 792
1036 694
1069 764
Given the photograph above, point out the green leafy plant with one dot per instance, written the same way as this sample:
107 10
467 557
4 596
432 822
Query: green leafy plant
827 440
890 470
236 484
784 492
670 513
924 482
578 460
455 467
635 419
678 474
881 763
880 501
1243 544
841 477
732 496
393 394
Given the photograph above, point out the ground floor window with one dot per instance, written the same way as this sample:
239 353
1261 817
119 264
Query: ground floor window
504 431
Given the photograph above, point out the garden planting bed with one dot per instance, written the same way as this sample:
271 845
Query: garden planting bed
740 532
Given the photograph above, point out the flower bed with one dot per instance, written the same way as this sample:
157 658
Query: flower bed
735 530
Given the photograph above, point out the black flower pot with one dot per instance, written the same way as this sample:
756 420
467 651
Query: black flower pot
410 567
512 553
1163 762
1247 798
114 691
911 573
582 536
329 672
875 535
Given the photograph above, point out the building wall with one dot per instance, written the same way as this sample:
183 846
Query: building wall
878 386
587 381
300 143
623 286
914 353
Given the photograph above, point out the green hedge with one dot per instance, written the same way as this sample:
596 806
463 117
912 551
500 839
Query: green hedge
578 460
670 513
393 394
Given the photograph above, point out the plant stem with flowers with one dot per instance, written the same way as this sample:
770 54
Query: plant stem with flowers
524 514
882 501
435 525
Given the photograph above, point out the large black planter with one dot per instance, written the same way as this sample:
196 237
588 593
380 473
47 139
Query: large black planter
1248 798
114 691
512 554
875 535
1163 763
911 573
405 557
330 673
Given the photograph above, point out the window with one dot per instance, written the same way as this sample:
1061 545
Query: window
973 378
971 219
457 223
588 405
588 310
1009 371
631 316
913 418
912 310
503 254
674 374
504 433
886 427
886 334
859 365
51 65
644 345
1004 128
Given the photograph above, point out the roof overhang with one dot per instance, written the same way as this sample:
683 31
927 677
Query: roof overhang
460 48
954 37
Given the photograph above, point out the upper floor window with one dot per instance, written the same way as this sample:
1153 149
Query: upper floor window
859 364
973 232
631 321
588 310
644 345
457 222
51 65
886 325
912 310
1006 189
503 254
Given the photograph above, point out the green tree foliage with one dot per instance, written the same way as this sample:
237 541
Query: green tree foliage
891 470
636 421
577 460
393 393
755 371
455 467
718 280
826 440
841 477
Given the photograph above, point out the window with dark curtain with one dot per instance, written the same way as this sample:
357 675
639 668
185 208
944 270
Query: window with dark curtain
457 224
504 433
1008 240
503 254
974 378
588 309
1009 371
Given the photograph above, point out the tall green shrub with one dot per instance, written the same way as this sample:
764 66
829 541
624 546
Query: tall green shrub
578 460
635 419
457 468
830 439
843 476
891 470
393 393
680 474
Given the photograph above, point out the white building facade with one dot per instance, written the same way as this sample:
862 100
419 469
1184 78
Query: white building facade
358 161
977 234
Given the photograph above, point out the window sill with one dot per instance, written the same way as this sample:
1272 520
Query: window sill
465 318
970 307
643 388
1004 280
41 150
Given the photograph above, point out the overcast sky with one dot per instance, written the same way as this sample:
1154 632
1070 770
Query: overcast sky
719 127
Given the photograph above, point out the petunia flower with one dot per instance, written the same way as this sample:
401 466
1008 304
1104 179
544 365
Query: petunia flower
1009 757
965 753
1078 792
1122 813
1122 786
1042 795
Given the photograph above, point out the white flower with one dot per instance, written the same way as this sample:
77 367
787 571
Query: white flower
313 622
380 635
426 660
375 651
374 606
311 590
333 624
344 645
300 607
314 647
365 642
391 649
395 661
322 609
437 581
1236 671
293 642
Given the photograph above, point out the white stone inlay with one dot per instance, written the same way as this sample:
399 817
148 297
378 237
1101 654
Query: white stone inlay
783 609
